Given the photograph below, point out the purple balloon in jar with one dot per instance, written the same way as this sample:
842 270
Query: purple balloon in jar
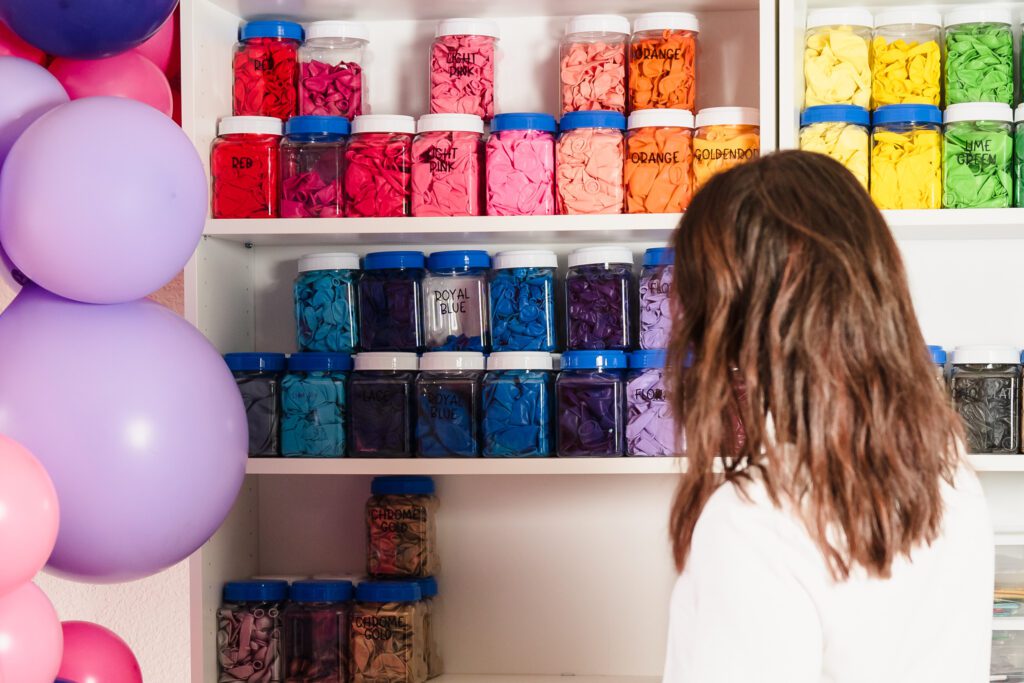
590 394
650 429
597 290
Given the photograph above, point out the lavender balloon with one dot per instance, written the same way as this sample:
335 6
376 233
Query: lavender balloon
29 92
136 418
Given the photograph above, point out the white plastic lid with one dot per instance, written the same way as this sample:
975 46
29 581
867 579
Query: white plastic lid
383 123
257 125
979 15
337 29
386 360
524 258
339 260
467 27
1018 115
986 355
603 254
728 116
978 111
520 360
661 118
597 23
666 21
468 123
844 16
899 17
452 360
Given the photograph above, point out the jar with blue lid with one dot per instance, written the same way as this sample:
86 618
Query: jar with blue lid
316 631
597 298
258 376
266 69
520 165
312 159
401 528
390 294
325 303
590 395
448 404
839 131
522 301
455 301
589 160
382 406
313 405
655 297
518 405
906 157
939 357
429 603
388 635
650 429
249 630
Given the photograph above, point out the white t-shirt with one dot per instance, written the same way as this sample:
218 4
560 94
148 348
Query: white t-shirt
756 603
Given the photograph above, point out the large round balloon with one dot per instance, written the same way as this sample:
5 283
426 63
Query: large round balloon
138 421
11 45
103 200
29 515
30 637
161 48
96 654
128 75
86 29
29 92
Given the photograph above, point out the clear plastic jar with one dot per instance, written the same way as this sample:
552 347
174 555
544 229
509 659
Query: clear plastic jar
245 163
312 158
906 58
939 356
590 395
979 55
313 405
837 68
428 603
448 166
448 404
977 156
266 71
592 63
520 166
249 630
1018 157
332 81
455 301
401 528
906 157
725 137
659 161
381 404
985 384
522 301
663 61
389 301
462 62
589 158
388 638
378 166
518 405
325 303
258 376
655 297
597 302
650 429
316 631
839 131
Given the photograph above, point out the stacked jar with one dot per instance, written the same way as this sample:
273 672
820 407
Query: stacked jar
245 164
939 357
837 69
521 165
979 56
428 604
592 64
455 301
518 410
388 634
985 384
312 158
977 156
378 163
332 79
325 302
313 406
389 301
522 301
448 166
841 132
906 157
906 58
597 299
382 408
448 404
315 631
588 163
655 297
658 173
249 629
266 71
590 398
650 429
663 61
402 528
462 61
258 376
725 137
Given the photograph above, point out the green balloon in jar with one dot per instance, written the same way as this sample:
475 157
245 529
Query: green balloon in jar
977 156
979 56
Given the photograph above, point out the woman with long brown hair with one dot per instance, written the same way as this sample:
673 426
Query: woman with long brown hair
828 528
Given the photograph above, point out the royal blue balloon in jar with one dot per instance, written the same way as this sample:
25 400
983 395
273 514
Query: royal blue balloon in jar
655 287
518 405
650 429
389 301
258 376
590 395
382 409
313 405
455 301
523 301
597 290
325 303
448 400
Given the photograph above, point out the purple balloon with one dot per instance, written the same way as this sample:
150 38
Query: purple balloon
29 92
138 421
102 200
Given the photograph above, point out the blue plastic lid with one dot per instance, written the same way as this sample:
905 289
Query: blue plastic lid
593 119
315 361
271 29
388 591
459 259
383 260
428 587
524 121
322 591
407 484
907 113
840 113
593 360
255 362
649 358
938 354
659 256
317 125
63 680
255 590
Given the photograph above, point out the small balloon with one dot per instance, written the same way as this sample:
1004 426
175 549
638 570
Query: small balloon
29 515
13 46
96 654
30 636
129 75
29 92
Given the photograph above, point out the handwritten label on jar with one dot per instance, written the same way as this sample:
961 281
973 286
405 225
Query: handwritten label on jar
461 63
731 154
399 540
388 644
452 301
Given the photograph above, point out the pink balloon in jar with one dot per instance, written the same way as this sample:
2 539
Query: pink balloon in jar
521 165
589 163
332 81
377 166
462 67
448 165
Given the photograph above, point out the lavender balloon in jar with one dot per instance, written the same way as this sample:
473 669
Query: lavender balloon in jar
249 632
597 306
650 429
325 303
389 301
590 395
655 307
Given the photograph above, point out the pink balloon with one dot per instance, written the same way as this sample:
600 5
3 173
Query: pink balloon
96 654
159 49
30 635
11 45
127 75
29 515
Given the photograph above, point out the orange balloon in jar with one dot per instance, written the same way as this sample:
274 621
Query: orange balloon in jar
725 137
659 161
662 61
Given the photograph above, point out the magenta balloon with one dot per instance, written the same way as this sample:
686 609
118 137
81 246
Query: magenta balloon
138 421
96 654
29 92
159 48
31 641
129 74
102 200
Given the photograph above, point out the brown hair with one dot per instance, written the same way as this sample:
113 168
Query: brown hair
790 293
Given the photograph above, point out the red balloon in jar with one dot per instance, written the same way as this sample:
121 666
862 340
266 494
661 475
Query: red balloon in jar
266 69
245 165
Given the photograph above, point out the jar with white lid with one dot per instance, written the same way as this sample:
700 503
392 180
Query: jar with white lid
906 58
382 409
977 156
245 164
592 63
522 300
325 302
985 384
332 81
725 137
448 165
462 60
837 67
663 61
979 55
658 173
448 404
518 405
378 164
597 298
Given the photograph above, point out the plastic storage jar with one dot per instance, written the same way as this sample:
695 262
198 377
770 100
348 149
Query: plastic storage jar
312 158
382 411
428 604
249 631
331 78
839 131
316 631
659 161
592 63
725 137
520 166
313 405
522 301
518 405
389 301
1018 157
597 289
258 376
906 157
378 163
663 61
650 429
977 156
590 395
462 67
939 356
455 301
402 530
448 404
655 297
325 303
448 166
979 55
985 383
388 639
837 69
266 69
588 163
245 164
906 60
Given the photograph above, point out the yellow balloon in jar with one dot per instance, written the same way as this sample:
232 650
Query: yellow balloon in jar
725 137
906 58
837 68
906 157
841 132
